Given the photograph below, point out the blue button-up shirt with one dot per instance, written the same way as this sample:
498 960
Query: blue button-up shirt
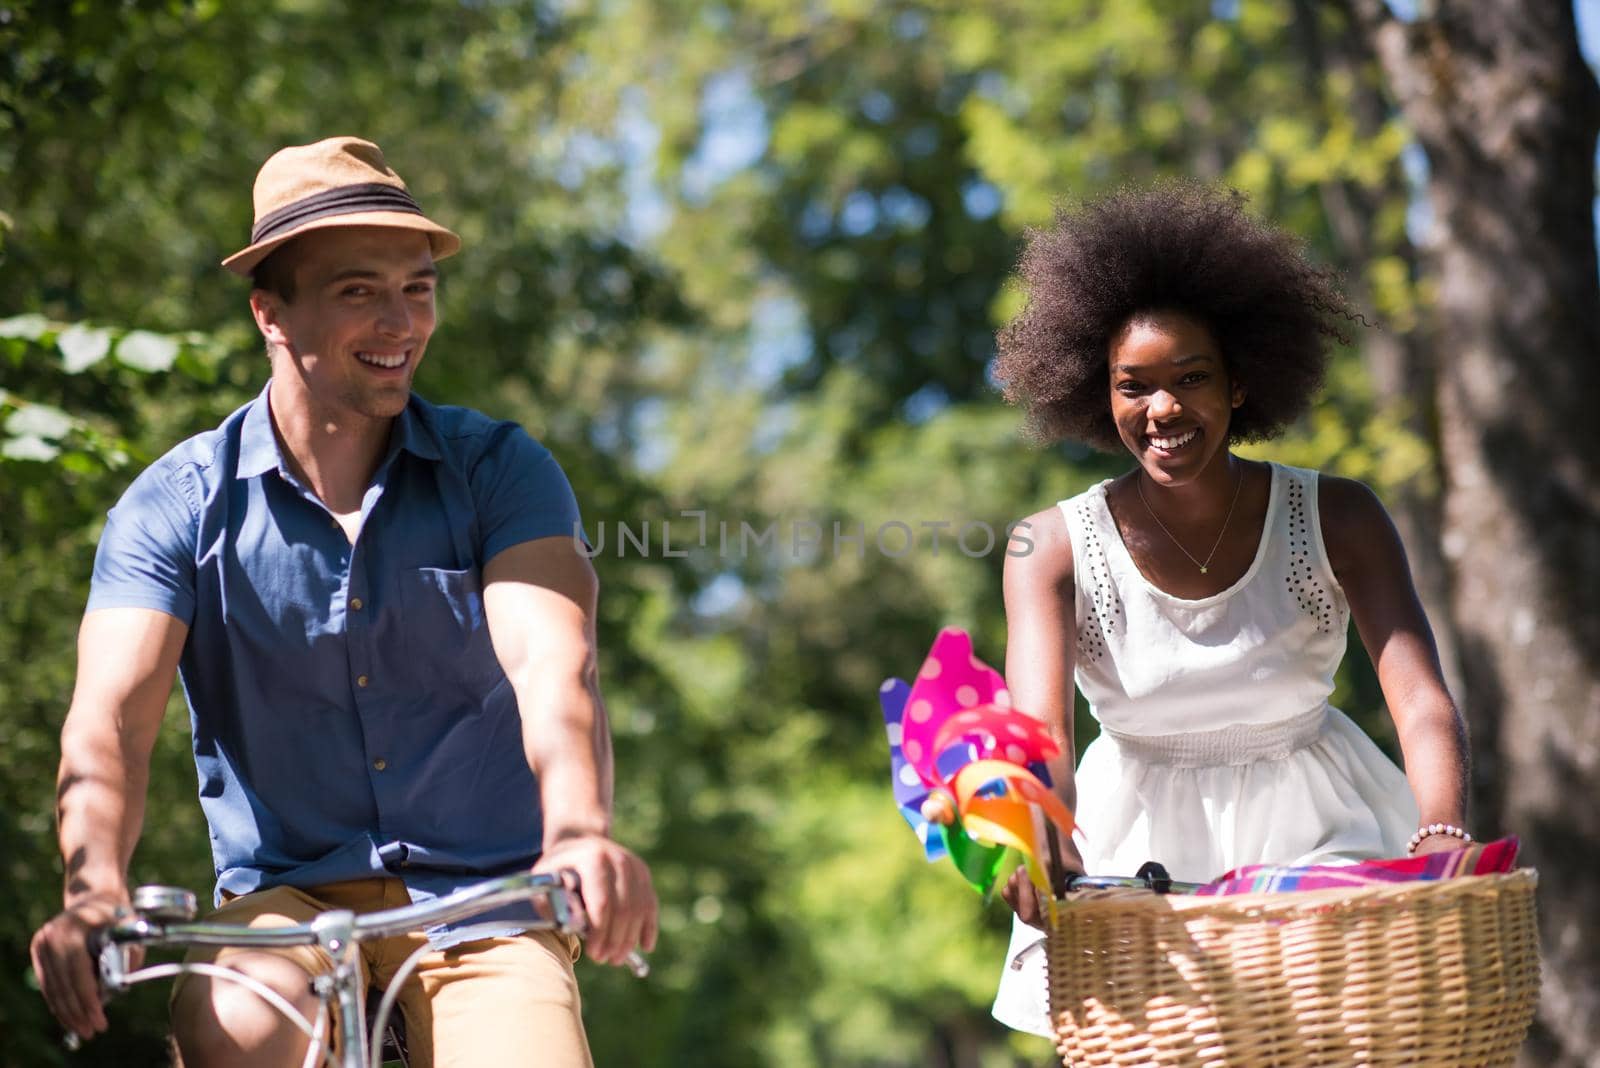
350 715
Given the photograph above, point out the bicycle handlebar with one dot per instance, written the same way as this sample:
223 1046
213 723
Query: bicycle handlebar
1152 875
564 904
163 916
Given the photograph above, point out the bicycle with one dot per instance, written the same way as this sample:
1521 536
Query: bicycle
163 916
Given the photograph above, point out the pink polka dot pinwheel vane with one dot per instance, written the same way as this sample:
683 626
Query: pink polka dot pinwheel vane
968 769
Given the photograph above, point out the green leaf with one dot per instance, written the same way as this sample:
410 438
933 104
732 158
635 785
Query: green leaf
191 365
79 463
144 351
82 347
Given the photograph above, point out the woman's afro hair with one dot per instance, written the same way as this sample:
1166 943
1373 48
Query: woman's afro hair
1177 246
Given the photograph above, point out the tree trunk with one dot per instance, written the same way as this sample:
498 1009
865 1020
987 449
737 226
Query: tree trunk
1507 111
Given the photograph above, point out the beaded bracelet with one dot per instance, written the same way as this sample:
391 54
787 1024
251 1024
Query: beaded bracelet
1431 829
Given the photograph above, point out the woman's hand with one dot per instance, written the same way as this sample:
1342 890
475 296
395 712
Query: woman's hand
1438 843
1025 899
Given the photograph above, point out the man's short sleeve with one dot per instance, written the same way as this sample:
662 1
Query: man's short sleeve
146 557
522 494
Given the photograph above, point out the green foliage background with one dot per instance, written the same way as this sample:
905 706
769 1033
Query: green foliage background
742 258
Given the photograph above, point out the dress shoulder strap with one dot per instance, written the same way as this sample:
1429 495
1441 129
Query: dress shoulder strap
1096 598
1311 577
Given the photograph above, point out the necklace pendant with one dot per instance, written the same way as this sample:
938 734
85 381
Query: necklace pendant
1203 569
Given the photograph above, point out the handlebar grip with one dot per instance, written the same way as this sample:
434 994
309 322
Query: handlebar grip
111 961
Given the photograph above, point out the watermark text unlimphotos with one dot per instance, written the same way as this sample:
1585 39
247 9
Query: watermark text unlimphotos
801 539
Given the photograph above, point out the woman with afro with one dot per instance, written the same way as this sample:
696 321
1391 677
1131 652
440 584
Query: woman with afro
1201 601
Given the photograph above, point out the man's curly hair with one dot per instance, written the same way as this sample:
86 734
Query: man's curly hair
1177 246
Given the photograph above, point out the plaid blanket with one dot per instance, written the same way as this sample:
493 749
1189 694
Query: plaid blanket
1477 859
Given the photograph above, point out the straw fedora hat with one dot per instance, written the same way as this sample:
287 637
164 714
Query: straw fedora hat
340 181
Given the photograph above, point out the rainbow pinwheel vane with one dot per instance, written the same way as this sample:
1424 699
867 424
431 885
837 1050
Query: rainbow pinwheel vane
969 772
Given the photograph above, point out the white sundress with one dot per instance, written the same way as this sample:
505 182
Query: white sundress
1217 744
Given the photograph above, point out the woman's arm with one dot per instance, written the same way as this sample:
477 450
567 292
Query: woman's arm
1041 638
1369 561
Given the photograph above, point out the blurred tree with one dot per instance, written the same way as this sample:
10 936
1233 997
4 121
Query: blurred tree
850 249
738 259
1366 213
1508 110
65 452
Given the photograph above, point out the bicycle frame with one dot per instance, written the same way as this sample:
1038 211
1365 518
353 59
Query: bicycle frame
163 916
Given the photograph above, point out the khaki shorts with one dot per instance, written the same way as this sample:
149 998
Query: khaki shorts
497 1001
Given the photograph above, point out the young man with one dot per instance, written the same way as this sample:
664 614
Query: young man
386 634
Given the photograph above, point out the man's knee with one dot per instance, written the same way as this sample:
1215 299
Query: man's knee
218 1022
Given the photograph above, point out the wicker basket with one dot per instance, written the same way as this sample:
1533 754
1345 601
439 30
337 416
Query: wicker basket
1414 974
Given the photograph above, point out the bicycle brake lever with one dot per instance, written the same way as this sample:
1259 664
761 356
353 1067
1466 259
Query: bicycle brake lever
571 911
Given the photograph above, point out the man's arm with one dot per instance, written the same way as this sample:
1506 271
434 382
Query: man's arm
126 661
540 599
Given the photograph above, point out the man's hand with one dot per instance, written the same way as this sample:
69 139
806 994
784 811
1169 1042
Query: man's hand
617 894
68 974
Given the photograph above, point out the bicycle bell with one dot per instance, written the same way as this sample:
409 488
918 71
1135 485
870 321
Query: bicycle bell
166 903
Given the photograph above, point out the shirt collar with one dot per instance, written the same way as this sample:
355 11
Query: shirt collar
258 443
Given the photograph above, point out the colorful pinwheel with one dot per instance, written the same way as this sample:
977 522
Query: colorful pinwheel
968 769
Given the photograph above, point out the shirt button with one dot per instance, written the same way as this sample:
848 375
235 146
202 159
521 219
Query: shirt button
355 603
361 681
379 764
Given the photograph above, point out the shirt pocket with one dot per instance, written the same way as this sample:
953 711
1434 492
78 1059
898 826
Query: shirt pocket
447 631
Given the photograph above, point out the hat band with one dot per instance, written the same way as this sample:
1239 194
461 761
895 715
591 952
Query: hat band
345 200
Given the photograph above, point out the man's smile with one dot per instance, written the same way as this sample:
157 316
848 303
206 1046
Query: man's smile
387 360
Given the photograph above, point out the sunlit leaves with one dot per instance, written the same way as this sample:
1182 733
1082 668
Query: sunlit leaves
84 346
144 351
29 327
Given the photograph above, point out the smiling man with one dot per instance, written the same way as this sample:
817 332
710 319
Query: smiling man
386 636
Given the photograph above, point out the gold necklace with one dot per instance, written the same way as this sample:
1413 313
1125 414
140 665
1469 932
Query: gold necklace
1138 485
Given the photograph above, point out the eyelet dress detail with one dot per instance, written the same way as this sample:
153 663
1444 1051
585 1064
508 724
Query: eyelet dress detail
1098 605
1313 597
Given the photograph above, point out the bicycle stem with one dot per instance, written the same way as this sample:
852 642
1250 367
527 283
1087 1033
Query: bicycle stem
336 934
